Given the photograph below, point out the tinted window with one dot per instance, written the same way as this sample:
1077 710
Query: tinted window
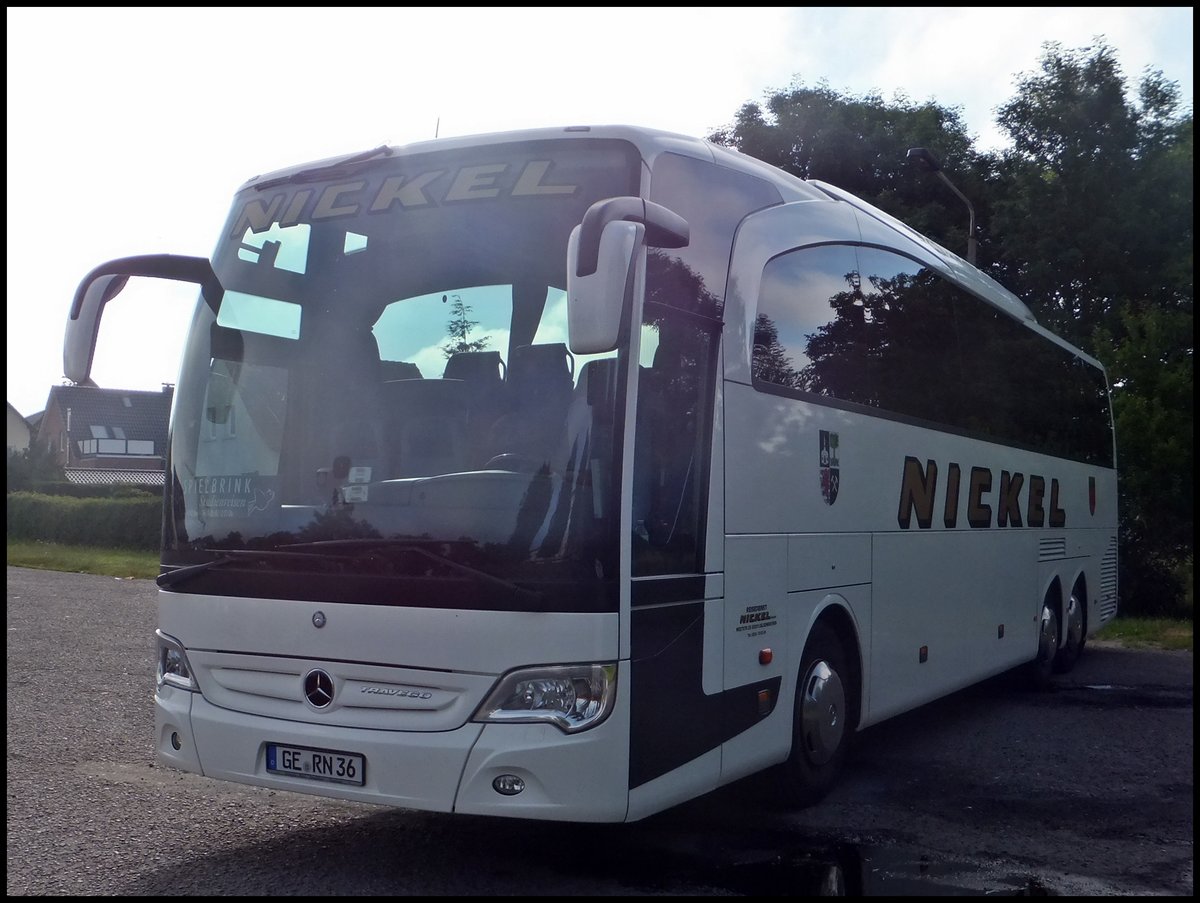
714 200
685 290
864 326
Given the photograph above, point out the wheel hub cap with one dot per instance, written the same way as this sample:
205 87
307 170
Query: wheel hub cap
822 713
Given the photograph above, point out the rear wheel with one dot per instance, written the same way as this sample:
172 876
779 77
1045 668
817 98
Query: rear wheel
1041 669
1074 638
826 697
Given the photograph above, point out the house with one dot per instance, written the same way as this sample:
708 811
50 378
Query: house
19 431
107 435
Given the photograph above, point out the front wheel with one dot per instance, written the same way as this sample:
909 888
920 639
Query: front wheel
822 729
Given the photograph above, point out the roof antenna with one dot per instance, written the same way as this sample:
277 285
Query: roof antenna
437 126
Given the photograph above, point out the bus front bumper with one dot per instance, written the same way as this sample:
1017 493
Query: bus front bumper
581 777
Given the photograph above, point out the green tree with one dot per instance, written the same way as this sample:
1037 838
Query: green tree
860 144
1093 228
1087 217
31 467
459 328
1152 406
771 361
1088 210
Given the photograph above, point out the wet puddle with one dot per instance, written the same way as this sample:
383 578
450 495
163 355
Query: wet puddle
852 871
773 866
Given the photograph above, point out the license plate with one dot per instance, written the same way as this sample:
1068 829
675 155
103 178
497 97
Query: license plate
317 764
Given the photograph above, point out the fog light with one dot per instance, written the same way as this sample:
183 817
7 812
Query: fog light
508 784
176 743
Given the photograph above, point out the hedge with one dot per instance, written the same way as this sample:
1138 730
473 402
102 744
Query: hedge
94 490
128 523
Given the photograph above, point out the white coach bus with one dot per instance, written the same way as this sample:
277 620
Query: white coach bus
574 473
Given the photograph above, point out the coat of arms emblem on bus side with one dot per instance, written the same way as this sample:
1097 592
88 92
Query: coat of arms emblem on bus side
830 471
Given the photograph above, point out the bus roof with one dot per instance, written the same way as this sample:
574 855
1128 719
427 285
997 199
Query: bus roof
651 142
648 141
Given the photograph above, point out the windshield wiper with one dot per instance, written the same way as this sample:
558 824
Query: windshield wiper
414 547
338 168
170 578
329 550
228 556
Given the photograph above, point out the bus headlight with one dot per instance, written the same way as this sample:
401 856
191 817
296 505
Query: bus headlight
571 697
173 665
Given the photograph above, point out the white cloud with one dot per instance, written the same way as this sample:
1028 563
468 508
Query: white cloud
129 129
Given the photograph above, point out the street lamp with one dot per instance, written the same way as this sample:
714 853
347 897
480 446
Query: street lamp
926 160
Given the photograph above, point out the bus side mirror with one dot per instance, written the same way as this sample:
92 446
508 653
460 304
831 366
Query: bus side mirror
595 301
83 326
105 282
601 259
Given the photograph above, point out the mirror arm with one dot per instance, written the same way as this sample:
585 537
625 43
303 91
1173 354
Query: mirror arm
162 266
664 228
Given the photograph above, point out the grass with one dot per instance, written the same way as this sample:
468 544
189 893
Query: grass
53 556
1160 633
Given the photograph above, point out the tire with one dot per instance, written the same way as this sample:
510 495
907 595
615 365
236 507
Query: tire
1074 634
1040 671
822 720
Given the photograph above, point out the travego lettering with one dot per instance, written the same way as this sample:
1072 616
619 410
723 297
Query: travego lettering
919 496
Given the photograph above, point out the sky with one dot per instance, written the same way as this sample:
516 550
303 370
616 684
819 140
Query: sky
130 129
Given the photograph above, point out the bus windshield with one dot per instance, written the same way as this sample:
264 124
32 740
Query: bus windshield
384 409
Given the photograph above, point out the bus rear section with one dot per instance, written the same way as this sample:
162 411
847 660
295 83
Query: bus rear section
911 455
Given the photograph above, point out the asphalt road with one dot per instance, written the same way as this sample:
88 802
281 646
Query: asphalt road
1083 790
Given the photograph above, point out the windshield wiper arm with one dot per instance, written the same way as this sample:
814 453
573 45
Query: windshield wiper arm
330 170
404 545
170 578
228 556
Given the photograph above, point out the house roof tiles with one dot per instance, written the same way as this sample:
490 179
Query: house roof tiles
140 415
